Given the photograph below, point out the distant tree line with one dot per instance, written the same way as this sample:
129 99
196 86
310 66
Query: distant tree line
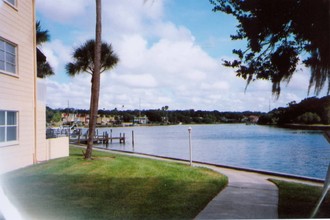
308 111
161 115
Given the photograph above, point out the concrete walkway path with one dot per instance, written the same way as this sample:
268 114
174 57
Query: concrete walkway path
247 196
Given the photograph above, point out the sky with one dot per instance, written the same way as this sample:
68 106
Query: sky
170 54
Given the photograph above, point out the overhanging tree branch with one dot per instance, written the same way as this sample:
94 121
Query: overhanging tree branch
278 32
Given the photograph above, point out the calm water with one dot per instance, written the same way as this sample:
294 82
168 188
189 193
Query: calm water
298 152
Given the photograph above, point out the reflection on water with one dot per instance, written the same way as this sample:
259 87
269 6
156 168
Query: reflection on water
297 152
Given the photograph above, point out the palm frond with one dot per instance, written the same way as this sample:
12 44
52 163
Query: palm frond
42 35
44 69
83 58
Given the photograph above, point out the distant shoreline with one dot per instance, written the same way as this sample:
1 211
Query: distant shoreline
290 126
306 127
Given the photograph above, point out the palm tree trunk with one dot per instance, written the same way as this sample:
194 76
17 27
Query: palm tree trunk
95 90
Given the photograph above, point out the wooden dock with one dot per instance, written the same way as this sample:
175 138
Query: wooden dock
104 138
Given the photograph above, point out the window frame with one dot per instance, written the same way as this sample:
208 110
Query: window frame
7 125
9 53
14 5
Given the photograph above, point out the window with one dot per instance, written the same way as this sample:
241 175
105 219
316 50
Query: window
7 57
8 127
12 2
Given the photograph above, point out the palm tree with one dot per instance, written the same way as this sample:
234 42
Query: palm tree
93 57
95 93
84 59
43 67
42 35
84 62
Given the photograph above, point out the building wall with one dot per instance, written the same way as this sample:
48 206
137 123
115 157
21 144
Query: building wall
17 93
41 151
57 147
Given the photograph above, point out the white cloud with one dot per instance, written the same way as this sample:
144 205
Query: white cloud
74 93
161 63
132 49
135 80
57 53
62 10
169 31
215 86
300 79
130 17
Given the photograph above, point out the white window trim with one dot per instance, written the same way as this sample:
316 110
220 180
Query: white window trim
14 6
16 58
15 142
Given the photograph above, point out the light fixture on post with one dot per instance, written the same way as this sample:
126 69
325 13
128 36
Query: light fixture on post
190 147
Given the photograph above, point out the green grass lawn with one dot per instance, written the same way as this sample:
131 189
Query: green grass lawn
110 187
298 200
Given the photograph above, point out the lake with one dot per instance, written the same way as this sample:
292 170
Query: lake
297 152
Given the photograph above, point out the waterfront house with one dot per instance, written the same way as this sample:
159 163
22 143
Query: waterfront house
22 96
143 120
253 119
81 119
69 118
105 120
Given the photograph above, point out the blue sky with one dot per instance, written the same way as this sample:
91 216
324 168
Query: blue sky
170 54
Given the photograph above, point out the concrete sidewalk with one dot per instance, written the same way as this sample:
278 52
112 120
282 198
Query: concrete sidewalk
247 196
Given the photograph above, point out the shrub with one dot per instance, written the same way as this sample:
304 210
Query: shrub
308 118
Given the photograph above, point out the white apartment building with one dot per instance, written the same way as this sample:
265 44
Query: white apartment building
22 111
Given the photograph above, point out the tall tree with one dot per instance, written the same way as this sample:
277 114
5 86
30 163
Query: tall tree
279 33
95 92
84 61
44 69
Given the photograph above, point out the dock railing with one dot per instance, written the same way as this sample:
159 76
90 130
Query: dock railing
57 132
77 136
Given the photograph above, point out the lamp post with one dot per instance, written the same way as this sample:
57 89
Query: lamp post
190 147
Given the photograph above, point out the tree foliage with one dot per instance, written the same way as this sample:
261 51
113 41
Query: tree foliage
53 115
308 111
42 35
44 69
279 33
156 116
84 59
308 118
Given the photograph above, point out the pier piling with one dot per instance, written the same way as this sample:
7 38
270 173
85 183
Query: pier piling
103 138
